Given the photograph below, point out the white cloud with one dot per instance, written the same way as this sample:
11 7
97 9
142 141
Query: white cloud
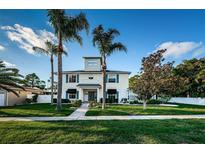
2 47
176 49
200 51
26 37
7 64
7 28
48 23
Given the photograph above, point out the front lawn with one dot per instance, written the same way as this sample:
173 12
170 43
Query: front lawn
127 131
181 109
32 110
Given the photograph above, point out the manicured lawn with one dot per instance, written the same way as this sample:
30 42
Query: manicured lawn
181 109
130 131
35 110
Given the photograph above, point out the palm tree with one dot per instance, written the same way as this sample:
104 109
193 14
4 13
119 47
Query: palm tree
51 50
10 78
66 28
104 41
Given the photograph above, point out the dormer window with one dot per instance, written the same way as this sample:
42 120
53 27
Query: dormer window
92 63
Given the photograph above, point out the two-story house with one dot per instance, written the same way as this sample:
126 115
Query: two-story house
87 84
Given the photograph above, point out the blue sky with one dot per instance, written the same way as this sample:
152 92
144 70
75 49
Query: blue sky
182 32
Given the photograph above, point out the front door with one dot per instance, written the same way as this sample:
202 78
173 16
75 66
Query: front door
92 96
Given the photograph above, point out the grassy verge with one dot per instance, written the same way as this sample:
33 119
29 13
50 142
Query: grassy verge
181 109
35 110
130 131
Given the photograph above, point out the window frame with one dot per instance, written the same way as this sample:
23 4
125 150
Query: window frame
92 63
110 79
71 78
72 94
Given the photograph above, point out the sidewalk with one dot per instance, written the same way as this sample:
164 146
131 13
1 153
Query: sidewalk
148 117
79 114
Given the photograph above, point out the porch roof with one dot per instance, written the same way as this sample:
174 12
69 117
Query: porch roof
89 85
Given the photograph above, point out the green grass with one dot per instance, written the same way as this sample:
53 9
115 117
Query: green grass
128 131
181 109
35 110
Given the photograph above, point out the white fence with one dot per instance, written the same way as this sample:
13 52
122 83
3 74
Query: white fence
44 98
185 100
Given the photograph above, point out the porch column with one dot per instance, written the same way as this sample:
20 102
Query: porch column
81 94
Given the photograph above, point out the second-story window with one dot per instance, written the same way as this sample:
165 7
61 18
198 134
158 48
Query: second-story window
113 78
72 78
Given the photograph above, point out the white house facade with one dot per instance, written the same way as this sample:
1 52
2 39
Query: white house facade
86 84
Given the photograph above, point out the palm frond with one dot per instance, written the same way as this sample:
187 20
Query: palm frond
10 79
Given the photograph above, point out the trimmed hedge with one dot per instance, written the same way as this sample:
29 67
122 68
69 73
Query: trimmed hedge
134 102
63 100
155 101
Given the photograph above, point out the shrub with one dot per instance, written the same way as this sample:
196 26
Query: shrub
28 101
34 98
94 104
134 102
124 100
76 103
62 100
155 101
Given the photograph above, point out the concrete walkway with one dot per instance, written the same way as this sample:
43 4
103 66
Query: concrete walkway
79 114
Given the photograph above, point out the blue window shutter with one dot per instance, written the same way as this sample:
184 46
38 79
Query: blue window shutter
66 78
106 78
77 78
117 96
117 78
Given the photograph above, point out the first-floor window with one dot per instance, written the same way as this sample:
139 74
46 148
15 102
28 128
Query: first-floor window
72 95
112 95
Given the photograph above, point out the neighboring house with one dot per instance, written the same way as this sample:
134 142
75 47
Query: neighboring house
10 99
87 84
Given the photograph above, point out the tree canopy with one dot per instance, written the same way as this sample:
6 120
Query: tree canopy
10 78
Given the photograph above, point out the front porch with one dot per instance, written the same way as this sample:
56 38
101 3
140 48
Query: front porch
92 92
89 92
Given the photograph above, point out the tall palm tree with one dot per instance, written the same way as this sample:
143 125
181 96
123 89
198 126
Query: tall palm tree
66 28
10 78
51 50
104 41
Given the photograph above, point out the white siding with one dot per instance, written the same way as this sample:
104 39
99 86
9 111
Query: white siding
121 87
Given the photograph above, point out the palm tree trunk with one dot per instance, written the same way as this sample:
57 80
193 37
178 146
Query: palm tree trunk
104 82
59 106
60 49
52 78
